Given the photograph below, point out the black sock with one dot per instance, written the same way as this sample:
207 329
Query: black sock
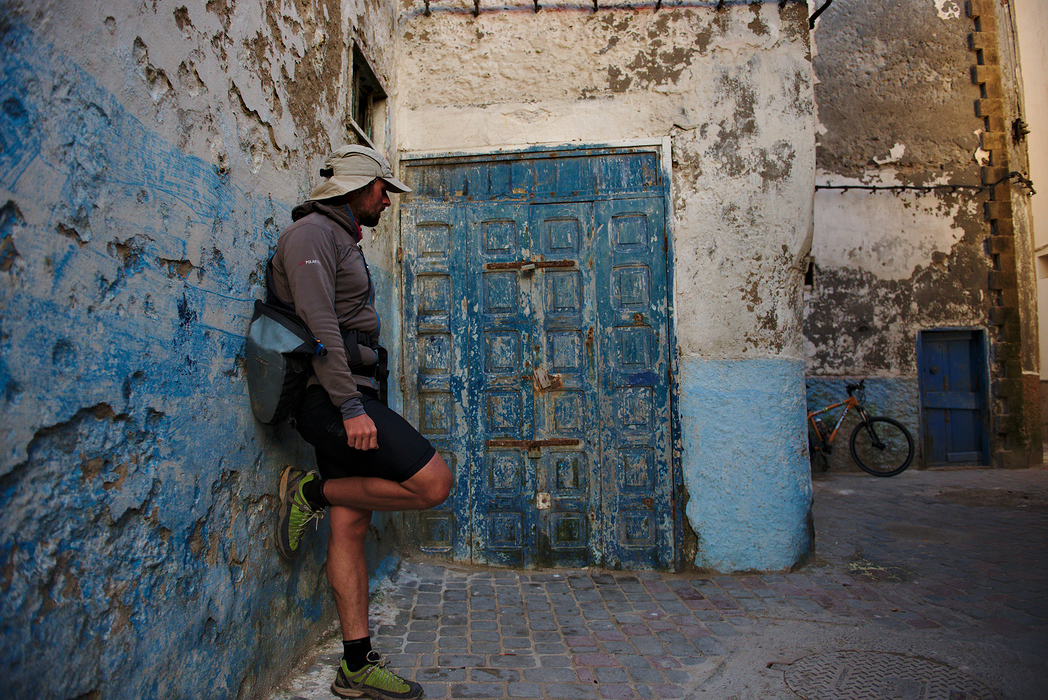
355 652
313 490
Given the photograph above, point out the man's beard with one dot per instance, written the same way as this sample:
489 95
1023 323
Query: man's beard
369 220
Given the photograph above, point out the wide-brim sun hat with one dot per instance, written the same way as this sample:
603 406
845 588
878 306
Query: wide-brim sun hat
350 168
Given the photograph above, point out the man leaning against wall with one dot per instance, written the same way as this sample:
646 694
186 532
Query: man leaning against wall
368 457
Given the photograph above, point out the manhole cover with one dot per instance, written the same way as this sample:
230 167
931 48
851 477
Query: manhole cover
843 675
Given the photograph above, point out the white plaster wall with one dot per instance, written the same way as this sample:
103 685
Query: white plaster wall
732 90
889 236
895 100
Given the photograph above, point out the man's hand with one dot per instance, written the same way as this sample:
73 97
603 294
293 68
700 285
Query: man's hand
361 433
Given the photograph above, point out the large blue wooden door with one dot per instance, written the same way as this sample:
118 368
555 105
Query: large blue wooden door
953 397
537 336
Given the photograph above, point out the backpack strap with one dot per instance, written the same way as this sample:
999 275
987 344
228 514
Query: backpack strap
271 293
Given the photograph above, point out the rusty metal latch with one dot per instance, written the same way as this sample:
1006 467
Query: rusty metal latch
524 265
542 501
534 444
543 380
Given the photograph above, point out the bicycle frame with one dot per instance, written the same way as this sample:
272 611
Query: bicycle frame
849 403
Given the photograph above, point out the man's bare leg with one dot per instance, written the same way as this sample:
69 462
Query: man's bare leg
429 487
347 569
352 501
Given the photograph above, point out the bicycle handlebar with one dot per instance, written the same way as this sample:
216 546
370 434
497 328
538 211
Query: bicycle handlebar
852 388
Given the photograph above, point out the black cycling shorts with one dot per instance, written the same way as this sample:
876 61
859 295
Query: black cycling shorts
402 450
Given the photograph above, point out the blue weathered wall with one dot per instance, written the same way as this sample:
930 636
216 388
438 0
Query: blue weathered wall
742 423
136 489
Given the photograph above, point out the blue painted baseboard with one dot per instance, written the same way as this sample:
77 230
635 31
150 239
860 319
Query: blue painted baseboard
744 462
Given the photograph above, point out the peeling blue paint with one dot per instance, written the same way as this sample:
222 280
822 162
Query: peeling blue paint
19 139
136 545
745 462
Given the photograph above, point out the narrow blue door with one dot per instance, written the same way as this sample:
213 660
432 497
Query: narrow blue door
953 397
634 347
537 336
501 404
435 359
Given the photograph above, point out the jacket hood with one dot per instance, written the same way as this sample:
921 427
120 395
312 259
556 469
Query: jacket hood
340 215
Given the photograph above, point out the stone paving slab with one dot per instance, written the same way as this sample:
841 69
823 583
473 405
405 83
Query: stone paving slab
948 565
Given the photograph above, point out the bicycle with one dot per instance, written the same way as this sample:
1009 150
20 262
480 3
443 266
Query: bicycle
880 446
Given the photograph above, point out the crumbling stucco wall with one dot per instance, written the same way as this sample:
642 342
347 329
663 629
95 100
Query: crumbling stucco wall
898 106
151 155
731 89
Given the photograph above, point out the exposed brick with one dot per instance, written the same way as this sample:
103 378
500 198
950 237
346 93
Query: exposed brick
1004 227
1003 351
1001 281
995 122
1006 264
991 175
998 210
1002 245
1011 459
993 140
1008 387
983 10
992 89
988 56
982 41
1000 315
987 106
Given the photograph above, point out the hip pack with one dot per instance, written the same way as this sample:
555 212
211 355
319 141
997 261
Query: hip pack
279 351
353 339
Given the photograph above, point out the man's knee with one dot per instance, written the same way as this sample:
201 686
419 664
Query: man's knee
442 490
436 483
348 524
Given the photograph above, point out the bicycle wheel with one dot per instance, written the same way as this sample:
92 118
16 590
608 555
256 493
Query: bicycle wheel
818 458
882 446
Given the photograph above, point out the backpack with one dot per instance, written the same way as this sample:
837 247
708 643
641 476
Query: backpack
279 352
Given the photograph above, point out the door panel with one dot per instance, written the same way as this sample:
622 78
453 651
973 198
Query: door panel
502 513
564 386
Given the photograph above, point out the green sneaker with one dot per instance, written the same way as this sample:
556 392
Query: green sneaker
295 512
374 681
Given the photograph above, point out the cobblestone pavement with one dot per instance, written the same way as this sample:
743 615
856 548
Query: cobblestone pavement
949 567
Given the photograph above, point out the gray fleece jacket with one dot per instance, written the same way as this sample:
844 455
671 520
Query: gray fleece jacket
320 271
